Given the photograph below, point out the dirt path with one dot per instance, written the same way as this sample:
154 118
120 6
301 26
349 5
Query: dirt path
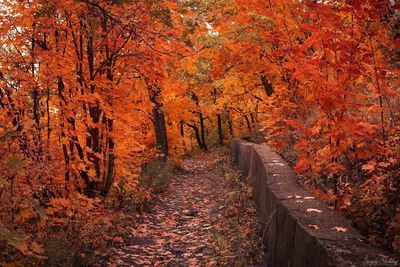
178 231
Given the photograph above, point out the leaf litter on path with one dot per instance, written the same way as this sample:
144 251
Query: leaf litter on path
179 230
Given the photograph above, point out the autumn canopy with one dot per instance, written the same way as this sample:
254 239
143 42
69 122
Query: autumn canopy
92 92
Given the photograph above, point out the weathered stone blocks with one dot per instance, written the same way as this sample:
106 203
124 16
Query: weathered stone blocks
300 230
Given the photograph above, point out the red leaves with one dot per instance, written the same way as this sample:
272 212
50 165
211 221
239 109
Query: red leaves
397 43
75 112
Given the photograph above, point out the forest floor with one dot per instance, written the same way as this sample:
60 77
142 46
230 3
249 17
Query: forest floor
204 218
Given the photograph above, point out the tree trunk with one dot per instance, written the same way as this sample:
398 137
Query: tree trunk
198 138
220 132
160 128
69 156
182 129
93 139
230 125
109 174
48 120
60 86
202 131
109 156
269 89
36 105
248 123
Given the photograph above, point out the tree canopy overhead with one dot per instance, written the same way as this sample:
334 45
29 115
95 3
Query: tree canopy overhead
91 91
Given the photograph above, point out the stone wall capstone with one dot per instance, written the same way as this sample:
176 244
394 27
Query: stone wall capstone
301 230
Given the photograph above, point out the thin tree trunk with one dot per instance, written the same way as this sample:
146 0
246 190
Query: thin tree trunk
220 131
93 141
109 175
269 89
160 128
48 120
60 86
69 156
182 129
197 135
230 125
248 124
36 113
202 131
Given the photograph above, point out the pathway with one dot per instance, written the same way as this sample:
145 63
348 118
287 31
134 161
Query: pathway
178 231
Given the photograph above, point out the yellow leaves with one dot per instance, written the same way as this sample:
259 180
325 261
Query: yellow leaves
230 83
81 166
370 166
25 213
63 210
92 173
38 249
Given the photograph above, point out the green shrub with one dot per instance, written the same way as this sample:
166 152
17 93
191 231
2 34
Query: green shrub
231 174
63 250
157 174
58 249
135 193
129 196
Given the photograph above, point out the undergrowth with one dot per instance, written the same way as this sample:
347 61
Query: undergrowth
157 174
75 230
138 194
237 236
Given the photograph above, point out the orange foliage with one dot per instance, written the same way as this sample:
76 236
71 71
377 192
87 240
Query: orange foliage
90 91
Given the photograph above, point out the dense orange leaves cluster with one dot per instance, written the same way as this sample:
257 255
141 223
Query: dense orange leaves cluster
91 90
334 72
77 98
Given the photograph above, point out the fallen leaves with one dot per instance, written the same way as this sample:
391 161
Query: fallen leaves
336 228
340 229
237 237
314 226
178 230
299 197
118 240
205 218
314 210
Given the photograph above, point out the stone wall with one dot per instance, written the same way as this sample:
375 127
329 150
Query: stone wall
292 214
